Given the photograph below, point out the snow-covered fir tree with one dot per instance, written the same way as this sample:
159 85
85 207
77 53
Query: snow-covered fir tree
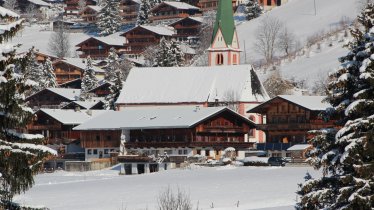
169 54
113 75
346 156
49 75
253 9
109 18
21 155
34 73
153 3
89 80
143 14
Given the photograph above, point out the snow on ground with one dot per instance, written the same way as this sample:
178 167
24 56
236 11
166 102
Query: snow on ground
298 16
253 187
36 35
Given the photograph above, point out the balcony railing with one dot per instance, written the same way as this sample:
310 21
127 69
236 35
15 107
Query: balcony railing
43 127
187 144
285 126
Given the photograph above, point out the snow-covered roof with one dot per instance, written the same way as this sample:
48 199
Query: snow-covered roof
87 104
299 147
314 103
71 94
72 117
6 12
153 118
198 19
114 39
192 84
40 3
80 63
96 8
187 49
178 5
160 30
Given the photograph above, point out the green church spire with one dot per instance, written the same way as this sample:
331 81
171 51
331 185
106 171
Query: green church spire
224 21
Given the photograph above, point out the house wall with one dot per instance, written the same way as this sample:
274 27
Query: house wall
129 11
65 72
45 98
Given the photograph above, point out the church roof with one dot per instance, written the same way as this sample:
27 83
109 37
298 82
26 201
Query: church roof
224 21
191 84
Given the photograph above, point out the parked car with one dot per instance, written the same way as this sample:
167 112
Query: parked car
276 161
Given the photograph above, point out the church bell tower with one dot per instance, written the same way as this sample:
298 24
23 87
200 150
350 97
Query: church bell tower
224 47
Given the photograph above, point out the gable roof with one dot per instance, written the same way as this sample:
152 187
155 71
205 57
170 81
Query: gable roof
40 3
299 147
192 84
177 5
154 118
113 40
95 8
71 94
196 19
79 63
72 117
224 21
160 30
86 104
313 103
6 12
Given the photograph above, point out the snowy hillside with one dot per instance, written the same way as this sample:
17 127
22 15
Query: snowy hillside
298 16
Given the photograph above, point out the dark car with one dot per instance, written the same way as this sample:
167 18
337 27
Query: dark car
276 161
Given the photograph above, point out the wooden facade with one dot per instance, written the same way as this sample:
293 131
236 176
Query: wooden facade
71 8
289 122
129 11
96 49
187 29
66 72
89 14
41 57
54 131
139 38
102 90
270 4
210 5
46 99
100 138
165 11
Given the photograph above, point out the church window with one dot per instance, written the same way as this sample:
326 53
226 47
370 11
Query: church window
234 59
219 59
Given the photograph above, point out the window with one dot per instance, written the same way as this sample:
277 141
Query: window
269 2
251 133
219 59
234 59
198 152
108 138
95 151
185 152
106 151
97 138
180 152
89 152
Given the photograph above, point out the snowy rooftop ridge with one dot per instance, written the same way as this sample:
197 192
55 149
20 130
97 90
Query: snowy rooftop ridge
152 118
96 8
161 30
80 63
71 94
72 117
40 3
192 84
314 103
299 147
6 12
180 5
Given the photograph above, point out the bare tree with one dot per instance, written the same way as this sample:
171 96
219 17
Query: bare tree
286 41
266 37
168 200
231 99
59 42
81 5
31 12
11 4
276 85
150 54
320 85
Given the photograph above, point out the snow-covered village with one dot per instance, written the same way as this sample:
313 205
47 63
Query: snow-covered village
186 104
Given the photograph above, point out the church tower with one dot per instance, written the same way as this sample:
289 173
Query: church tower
224 47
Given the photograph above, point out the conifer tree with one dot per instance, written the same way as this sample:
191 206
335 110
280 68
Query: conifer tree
143 14
169 54
109 19
112 66
34 73
49 75
89 80
21 155
115 77
346 155
253 9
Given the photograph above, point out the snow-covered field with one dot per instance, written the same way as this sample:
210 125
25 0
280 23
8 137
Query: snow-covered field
223 187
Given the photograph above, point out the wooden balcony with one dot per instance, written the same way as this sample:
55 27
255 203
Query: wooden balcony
222 129
140 36
173 16
284 126
188 144
44 127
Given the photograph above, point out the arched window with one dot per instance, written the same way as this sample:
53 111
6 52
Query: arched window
234 59
219 59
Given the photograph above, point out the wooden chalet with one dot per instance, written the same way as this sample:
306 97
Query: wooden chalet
211 5
69 69
140 37
288 118
129 11
94 103
186 130
298 152
172 10
270 4
52 97
102 90
71 8
57 125
99 47
187 29
42 57
90 13
74 84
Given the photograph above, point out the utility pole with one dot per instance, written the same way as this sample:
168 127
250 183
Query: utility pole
315 8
